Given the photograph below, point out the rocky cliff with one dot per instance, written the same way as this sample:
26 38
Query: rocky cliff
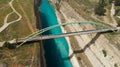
91 50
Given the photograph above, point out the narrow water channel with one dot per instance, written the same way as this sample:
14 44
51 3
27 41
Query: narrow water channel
56 50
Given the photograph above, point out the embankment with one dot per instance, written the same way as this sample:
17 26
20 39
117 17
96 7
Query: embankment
94 49
41 61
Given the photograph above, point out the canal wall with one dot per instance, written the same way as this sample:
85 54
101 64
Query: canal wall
72 56
41 60
95 50
56 50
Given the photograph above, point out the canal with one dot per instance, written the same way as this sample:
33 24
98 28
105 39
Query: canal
56 50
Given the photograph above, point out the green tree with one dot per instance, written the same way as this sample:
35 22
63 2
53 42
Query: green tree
99 10
117 2
117 11
102 3
104 53
110 1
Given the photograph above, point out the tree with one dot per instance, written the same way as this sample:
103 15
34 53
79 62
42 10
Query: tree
110 1
117 2
99 10
117 11
102 3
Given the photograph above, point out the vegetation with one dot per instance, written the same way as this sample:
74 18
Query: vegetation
110 1
115 65
118 21
3 3
99 9
81 7
104 53
117 11
57 6
3 12
117 2
25 55
78 58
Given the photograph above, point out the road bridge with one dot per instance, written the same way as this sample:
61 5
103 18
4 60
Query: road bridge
44 37
36 35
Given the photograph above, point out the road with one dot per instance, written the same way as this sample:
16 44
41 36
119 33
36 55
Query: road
6 24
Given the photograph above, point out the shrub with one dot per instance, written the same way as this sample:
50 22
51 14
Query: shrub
115 65
104 52
117 2
99 10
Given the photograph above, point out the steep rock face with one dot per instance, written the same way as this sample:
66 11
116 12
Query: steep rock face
99 50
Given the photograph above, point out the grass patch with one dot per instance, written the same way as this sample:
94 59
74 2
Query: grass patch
3 13
118 21
12 17
3 3
18 29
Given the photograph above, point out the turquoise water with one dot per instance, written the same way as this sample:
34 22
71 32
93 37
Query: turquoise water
56 50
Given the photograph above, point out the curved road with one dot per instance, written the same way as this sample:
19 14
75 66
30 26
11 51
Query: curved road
6 24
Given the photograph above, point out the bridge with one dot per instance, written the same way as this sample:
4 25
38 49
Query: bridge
35 36
44 37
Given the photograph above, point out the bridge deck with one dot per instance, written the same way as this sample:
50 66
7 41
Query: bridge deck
44 37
